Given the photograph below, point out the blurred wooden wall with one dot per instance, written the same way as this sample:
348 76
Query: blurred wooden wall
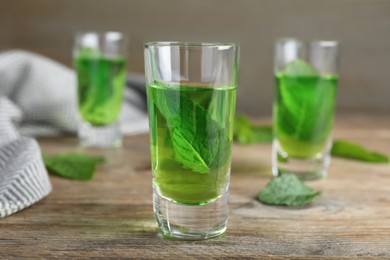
363 27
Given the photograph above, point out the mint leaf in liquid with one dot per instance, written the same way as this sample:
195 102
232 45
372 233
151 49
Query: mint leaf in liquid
304 109
299 67
199 142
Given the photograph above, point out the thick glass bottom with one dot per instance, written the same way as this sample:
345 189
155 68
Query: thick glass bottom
313 168
108 136
190 222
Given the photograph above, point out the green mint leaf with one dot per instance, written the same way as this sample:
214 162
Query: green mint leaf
243 130
199 143
346 149
187 154
305 103
73 165
305 106
287 190
262 134
247 133
88 52
299 67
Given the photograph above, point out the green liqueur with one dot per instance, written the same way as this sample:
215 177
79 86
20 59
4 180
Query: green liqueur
191 135
100 86
304 110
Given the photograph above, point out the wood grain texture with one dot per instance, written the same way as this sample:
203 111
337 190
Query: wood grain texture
362 27
111 216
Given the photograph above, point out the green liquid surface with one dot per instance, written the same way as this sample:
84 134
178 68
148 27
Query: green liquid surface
100 88
191 131
304 113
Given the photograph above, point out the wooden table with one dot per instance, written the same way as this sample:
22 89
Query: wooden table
111 216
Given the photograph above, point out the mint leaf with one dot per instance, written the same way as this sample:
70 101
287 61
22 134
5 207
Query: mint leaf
262 133
247 133
299 67
287 190
187 154
305 106
88 52
199 143
305 103
73 165
346 149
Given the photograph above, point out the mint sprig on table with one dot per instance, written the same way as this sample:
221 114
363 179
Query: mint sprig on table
347 149
74 166
245 132
287 190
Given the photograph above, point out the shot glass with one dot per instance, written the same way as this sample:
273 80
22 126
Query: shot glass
100 63
304 107
191 93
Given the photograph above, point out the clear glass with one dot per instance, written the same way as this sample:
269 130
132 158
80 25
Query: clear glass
191 91
100 61
304 103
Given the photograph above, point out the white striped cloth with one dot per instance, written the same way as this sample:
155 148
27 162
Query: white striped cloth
38 97
23 177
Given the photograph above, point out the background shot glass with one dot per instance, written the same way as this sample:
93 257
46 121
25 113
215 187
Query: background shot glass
191 90
304 104
100 62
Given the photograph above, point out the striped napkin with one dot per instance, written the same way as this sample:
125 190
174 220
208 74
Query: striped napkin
38 98
23 176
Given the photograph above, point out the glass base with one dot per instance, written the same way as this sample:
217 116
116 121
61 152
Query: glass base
304 168
108 136
189 222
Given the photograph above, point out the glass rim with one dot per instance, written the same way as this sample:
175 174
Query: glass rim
100 33
190 44
322 41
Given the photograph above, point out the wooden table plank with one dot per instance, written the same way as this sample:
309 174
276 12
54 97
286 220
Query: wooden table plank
111 216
